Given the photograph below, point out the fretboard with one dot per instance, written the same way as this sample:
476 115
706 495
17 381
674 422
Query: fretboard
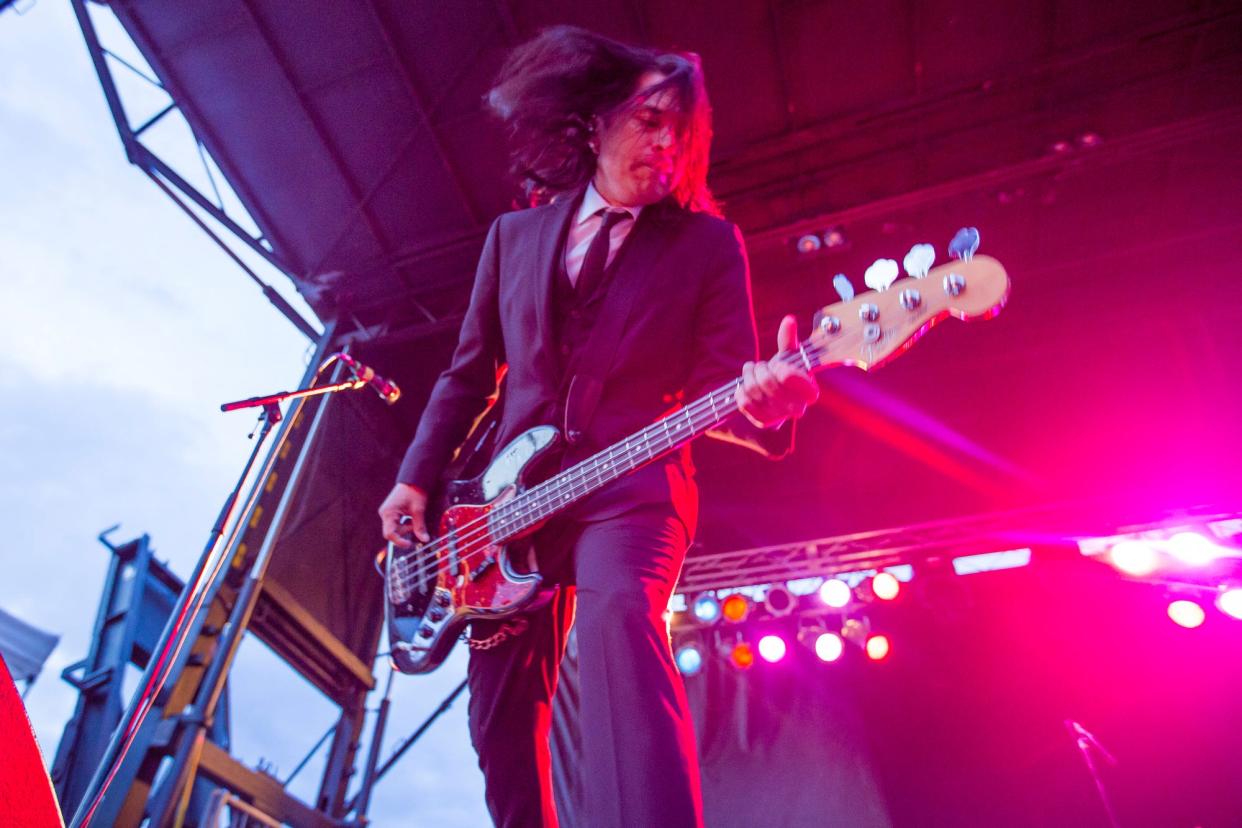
662 437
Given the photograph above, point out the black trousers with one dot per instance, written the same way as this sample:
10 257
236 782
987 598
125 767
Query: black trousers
639 763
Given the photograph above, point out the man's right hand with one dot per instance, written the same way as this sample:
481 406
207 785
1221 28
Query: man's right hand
409 501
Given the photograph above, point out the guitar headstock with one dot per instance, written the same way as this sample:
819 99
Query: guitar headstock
875 326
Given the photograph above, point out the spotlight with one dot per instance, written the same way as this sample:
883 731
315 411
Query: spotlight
1230 602
856 630
1134 558
779 601
835 593
885 586
772 648
706 608
877 647
834 237
735 608
689 660
742 656
1193 549
829 646
808 243
1186 614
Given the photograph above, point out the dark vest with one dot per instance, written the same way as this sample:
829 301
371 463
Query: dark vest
574 315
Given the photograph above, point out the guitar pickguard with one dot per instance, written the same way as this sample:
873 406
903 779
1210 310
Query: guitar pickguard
435 590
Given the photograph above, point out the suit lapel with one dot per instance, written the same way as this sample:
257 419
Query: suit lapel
551 235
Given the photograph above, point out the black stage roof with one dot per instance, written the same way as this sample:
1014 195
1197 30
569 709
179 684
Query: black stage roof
354 131
1093 143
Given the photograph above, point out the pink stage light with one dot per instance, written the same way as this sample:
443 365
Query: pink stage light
1193 549
878 647
1134 557
772 648
1186 614
835 593
1230 603
829 646
885 586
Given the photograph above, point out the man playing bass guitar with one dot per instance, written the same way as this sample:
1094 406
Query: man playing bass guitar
632 241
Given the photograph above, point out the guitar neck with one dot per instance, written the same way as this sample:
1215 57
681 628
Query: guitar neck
864 332
577 482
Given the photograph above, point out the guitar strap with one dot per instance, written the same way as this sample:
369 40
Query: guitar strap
476 451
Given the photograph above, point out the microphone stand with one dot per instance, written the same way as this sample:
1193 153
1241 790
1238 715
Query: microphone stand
189 613
271 402
1087 745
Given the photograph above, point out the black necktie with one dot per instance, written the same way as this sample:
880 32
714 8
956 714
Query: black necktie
592 272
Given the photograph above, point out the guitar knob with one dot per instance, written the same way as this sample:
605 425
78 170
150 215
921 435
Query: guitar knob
843 287
442 598
829 324
954 284
435 614
911 299
881 274
964 244
919 260
425 631
868 313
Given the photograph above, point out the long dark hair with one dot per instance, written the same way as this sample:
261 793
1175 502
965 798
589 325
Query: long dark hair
552 87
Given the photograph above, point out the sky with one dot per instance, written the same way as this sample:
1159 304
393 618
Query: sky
124 328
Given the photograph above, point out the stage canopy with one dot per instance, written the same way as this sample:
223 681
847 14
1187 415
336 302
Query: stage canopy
1092 144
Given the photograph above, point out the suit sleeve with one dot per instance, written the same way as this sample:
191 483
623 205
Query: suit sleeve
461 392
725 338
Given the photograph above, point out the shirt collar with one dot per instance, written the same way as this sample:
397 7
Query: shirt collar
593 202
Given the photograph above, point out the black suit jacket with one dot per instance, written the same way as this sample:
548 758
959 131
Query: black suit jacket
683 282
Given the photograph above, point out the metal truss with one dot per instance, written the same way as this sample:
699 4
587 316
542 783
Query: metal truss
925 543
184 194
138 595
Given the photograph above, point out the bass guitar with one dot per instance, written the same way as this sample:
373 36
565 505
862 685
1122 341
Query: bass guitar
470 569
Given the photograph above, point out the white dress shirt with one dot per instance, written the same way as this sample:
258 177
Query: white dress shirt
586 224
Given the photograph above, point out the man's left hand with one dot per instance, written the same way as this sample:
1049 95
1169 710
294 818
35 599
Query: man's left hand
774 391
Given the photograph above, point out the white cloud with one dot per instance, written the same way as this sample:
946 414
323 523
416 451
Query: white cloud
125 327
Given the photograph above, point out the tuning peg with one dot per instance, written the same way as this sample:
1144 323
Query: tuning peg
919 260
844 289
881 274
965 243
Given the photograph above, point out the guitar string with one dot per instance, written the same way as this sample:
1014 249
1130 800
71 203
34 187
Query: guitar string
581 477
578 477
652 441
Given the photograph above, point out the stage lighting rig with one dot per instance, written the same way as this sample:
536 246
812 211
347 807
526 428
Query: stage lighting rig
885 586
779 601
827 646
689 659
836 593
1230 602
742 656
772 648
878 647
735 608
1186 613
706 608
830 238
